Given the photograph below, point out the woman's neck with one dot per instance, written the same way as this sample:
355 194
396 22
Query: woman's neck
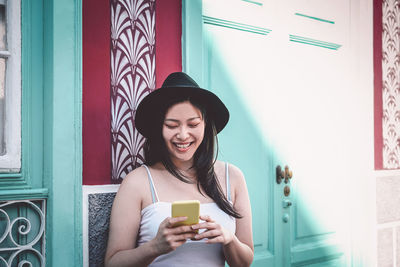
185 167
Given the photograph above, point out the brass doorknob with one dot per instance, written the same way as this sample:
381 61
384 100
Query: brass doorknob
288 174
279 174
286 191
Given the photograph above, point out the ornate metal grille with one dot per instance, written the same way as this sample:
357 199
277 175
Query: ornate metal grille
22 233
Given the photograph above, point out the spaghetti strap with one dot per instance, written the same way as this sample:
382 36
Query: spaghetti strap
228 187
152 187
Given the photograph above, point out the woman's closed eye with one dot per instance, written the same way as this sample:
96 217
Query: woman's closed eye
171 126
193 125
174 126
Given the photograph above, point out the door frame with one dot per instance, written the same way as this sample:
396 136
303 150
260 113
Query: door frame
62 131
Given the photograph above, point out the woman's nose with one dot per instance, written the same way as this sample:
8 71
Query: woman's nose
183 133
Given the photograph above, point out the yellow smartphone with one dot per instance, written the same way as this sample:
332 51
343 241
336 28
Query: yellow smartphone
188 208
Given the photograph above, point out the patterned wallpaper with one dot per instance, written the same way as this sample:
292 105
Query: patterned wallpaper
391 83
132 78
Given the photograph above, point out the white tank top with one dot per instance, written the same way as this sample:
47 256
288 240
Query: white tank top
192 253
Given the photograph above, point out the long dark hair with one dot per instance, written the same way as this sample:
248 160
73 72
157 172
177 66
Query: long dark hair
204 158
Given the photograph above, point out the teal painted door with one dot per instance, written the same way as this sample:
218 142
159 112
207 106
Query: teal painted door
38 226
284 73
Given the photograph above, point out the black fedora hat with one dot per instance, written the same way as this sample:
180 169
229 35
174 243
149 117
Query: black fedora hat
177 87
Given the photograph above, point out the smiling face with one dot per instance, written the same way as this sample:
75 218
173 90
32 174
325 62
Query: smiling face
183 132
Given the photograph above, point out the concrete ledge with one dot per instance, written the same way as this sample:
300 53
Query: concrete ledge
97 203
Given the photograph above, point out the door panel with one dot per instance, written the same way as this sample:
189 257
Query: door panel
242 137
284 73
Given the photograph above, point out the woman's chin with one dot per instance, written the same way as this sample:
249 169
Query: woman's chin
179 158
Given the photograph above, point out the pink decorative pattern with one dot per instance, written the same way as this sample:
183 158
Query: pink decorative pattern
132 78
391 83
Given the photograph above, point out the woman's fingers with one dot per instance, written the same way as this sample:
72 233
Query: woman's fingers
208 223
185 236
217 239
206 218
212 229
181 229
208 234
169 228
170 237
178 235
214 232
205 225
170 222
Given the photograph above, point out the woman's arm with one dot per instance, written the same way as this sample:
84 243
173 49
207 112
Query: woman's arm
125 223
238 248
168 238
141 256
240 251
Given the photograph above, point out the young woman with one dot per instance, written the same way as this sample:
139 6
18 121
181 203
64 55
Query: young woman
180 122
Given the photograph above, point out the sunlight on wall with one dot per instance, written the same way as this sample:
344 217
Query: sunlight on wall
310 110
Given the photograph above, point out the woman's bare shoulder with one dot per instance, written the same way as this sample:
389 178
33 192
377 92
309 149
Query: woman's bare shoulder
136 176
236 176
135 182
219 168
234 171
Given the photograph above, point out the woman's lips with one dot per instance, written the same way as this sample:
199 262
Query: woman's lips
183 147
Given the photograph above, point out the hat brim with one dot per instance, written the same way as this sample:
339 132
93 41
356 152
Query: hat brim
152 107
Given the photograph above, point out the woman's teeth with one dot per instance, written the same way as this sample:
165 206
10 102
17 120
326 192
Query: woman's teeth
183 145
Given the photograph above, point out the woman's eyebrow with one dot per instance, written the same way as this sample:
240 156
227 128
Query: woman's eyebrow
194 118
175 120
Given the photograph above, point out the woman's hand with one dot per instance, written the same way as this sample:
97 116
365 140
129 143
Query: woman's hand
213 231
169 237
